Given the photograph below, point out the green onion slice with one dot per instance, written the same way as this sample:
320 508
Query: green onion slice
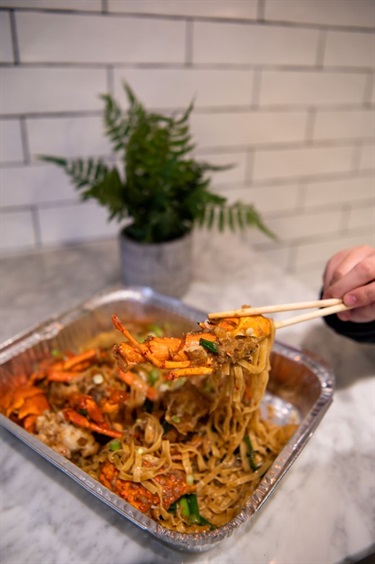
153 376
188 506
115 444
250 454
209 345
156 330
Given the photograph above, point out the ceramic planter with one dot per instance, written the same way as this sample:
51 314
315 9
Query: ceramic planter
164 267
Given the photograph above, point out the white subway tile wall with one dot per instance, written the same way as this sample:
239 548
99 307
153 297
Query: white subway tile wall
45 37
282 89
71 223
312 88
176 88
11 149
341 125
333 13
64 89
252 128
34 186
227 43
198 8
360 217
17 230
372 89
66 136
302 162
84 5
349 50
346 191
367 157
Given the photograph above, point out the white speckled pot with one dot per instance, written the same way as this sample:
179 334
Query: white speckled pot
164 267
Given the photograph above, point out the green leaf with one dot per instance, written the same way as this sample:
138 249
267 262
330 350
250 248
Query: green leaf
55 160
231 219
221 219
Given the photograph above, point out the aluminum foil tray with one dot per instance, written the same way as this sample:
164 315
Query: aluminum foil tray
300 389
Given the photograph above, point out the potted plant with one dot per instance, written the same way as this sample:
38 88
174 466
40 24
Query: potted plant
160 196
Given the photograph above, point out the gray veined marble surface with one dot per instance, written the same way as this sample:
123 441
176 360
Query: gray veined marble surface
321 513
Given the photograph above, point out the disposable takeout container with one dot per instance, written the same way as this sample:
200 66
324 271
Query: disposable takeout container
300 390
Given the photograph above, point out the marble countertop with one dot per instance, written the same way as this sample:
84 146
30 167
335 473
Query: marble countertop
323 510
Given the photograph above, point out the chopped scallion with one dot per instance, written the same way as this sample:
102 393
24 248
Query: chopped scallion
115 445
153 376
183 504
156 330
188 506
250 454
209 345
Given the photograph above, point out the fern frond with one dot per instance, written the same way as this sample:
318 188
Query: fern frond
115 124
235 216
81 173
130 94
185 116
109 192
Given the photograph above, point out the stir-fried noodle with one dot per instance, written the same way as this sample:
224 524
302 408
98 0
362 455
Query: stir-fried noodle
187 451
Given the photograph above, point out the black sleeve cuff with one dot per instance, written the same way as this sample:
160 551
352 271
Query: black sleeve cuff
361 332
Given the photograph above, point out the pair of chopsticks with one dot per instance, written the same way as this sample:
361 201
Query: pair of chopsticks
327 307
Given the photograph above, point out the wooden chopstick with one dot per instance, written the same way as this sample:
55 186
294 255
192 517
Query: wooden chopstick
246 311
311 315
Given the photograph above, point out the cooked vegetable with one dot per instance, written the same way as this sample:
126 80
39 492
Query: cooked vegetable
250 453
209 345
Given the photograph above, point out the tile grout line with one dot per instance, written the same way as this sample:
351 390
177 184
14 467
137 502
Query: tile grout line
256 89
189 43
25 140
367 91
249 166
310 126
105 9
36 226
356 156
14 37
260 11
320 49
110 77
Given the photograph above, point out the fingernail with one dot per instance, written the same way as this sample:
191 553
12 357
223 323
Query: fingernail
350 300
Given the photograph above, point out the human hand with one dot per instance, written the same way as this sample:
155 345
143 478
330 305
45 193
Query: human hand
350 275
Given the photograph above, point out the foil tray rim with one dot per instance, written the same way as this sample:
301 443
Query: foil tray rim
198 542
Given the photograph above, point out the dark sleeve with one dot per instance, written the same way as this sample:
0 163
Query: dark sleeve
361 332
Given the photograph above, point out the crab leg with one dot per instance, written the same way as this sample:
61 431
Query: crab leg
196 353
81 421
